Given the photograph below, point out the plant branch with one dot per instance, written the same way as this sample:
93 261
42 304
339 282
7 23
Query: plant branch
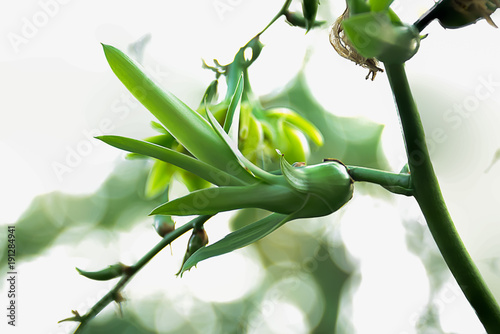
114 294
429 16
282 11
380 177
428 195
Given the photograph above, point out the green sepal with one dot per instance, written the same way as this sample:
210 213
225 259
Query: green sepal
113 271
238 239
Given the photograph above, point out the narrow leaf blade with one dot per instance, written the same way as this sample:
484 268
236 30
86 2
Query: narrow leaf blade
231 121
200 168
186 125
238 239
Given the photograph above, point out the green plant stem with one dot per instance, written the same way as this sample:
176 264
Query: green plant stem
429 16
380 177
428 195
282 11
114 294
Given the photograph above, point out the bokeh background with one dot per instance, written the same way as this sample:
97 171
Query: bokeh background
372 267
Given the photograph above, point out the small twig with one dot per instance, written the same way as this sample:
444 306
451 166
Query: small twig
114 294
282 11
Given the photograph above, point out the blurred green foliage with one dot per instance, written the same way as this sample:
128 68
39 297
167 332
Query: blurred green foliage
53 218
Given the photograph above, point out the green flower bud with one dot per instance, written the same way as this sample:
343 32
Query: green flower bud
163 225
310 9
374 35
460 13
328 186
108 273
198 239
297 20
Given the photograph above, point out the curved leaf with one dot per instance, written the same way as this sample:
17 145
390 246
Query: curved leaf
238 239
200 168
216 199
231 110
186 125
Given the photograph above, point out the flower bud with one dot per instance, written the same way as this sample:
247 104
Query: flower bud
108 273
198 239
328 185
163 225
310 9
460 13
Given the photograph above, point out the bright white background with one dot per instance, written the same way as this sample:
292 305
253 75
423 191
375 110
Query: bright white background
57 91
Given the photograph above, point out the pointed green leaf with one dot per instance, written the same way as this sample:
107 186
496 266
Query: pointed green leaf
231 121
158 127
200 168
217 199
186 125
238 239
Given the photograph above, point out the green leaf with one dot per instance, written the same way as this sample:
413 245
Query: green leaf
200 168
186 125
238 239
380 5
160 128
375 36
235 100
210 201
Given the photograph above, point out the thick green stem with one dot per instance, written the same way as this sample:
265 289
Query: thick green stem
428 195
114 294
380 177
